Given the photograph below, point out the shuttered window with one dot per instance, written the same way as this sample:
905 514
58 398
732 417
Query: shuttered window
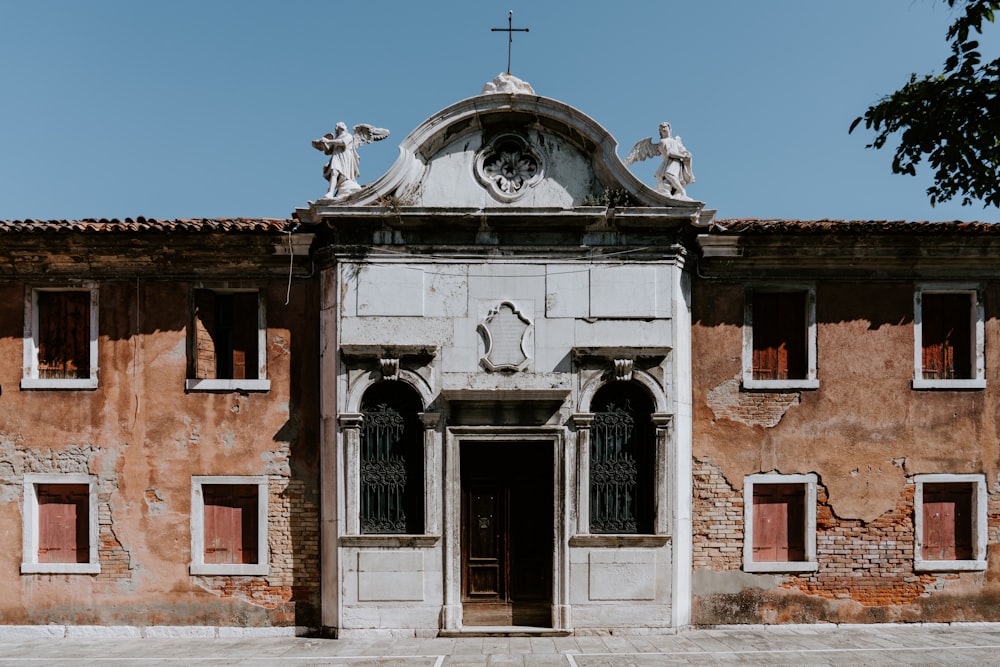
63 523
226 335
780 333
947 336
778 522
947 521
63 334
230 523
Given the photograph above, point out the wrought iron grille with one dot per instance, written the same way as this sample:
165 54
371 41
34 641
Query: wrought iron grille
383 471
621 462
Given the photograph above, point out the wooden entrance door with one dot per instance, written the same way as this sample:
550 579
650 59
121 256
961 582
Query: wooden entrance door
507 534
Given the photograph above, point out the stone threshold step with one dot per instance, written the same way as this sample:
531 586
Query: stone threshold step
504 631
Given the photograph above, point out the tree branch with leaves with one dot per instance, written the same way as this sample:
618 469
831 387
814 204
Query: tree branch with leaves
950 119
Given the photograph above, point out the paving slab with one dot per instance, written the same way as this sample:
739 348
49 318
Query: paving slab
855 646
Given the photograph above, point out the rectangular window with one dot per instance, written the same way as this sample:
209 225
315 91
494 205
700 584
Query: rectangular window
228 341
779 338
948 331
60 524
950 518
229 525
780 523
60 339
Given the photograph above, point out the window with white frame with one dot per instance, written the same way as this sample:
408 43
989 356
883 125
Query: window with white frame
59 533
779 337
949 513
227 341
60 337
229 525
779 518
949 333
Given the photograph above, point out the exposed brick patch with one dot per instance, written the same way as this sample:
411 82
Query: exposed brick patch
116 563
717 520
871 563
765 408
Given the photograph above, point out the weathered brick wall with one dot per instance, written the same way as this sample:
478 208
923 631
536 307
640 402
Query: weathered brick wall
142 437
293 541
870 564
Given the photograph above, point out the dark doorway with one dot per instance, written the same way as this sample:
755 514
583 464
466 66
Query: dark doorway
507 534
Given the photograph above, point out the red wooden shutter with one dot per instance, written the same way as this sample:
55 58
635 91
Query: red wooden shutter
245 346
778 523
63 334
63 523
947 510
779 335
946 334
204 334
230 523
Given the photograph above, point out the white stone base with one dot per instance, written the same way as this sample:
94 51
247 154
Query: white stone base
146 631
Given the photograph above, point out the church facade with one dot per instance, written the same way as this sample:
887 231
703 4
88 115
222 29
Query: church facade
506 387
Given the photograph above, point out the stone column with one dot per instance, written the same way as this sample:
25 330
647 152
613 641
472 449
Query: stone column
350 428
432 472
662 480
582 422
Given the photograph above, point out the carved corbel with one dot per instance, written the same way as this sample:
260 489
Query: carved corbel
389 367
624 369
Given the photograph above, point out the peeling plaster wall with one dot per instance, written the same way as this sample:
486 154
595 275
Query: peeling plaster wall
865 433
143 438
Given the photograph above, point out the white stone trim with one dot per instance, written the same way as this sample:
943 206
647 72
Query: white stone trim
198 564
451 613
811 381
680 471
29 523
191 384
979 524
975 290
809 564
17 632
30 379
261 383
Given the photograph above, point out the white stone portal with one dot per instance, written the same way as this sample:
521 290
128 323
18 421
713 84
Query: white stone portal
502 301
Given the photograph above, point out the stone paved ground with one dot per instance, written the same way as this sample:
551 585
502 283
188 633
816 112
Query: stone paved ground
966 644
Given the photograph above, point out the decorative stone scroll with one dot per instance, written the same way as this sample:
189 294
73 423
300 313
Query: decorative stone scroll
508 166
504 330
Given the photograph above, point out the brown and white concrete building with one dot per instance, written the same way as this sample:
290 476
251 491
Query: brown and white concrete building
504 387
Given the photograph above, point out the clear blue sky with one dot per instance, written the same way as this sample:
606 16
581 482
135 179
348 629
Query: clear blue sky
199 108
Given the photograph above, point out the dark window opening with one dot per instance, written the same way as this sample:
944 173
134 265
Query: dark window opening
622 460
780 336
779 523
63 335
230 523
947 509
392 460
63 523
946 335
226 335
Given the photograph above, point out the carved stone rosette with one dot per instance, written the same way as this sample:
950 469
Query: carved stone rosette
508 167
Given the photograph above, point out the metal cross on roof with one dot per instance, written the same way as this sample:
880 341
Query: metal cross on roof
510 30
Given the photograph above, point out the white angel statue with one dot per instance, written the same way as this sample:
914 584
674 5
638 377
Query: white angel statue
341 170
675 172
